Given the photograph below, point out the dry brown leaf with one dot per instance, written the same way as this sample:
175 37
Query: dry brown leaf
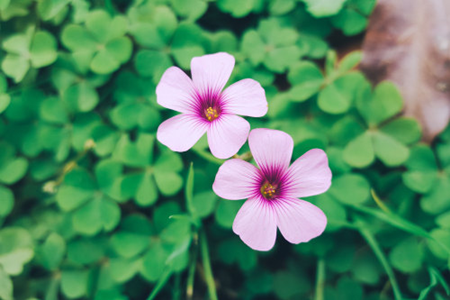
408 42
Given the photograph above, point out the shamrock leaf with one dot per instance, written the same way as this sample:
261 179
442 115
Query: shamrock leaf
92 211
272 44
25 50
101 45
16 249
385 138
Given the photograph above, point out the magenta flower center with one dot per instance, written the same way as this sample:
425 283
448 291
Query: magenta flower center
211 113
268 190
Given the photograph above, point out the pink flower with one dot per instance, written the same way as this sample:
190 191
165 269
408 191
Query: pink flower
204 107
273 190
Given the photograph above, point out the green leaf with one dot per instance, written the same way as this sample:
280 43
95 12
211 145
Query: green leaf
279 59
226 212
237 8
350 61
437 200
104 62
191 10
120 48
405 130
75 37
324 8
78 188
16 249
253 46
81 97
187 43
74 284
204 203
86 251
6 286
99 214
43 49
147 193
154 262
13 170
15 66
5 100
386 102
306 79
407 256
234 251
52 251
152 63
129 244
7 203
105 139
350 189
390 151
359 152
49 9
442 238
52 110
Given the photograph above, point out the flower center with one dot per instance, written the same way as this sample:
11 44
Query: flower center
211 114
268 190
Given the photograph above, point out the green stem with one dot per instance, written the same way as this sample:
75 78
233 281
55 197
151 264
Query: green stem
207 156
176 291
368 236
191 272
320 279
207 266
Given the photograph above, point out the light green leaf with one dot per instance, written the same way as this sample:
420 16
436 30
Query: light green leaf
390 151
359 152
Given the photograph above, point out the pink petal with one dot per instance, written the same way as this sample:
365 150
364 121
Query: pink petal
299 221
272 149
255 223
211 72
181 132
309 175
226 135
246 98
174 90
236 179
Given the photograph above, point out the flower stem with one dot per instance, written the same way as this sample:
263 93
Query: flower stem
320 279
191 272
368 236
207 266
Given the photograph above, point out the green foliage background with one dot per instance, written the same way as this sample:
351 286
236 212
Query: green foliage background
86 191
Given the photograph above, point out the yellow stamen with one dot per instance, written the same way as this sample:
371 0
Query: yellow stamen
268 190
211 114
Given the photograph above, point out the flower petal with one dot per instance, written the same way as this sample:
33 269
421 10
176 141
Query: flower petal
236 179
181 132
211 72
255 223
226 135
309 175
272 149
175 90
246 98
299 221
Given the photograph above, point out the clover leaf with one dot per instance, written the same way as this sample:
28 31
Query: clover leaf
100 45
150 175
386 138
35 49
137 243
272 44
91 210
16 249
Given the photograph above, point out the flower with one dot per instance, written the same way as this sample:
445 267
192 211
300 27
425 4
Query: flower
205 107
273 190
